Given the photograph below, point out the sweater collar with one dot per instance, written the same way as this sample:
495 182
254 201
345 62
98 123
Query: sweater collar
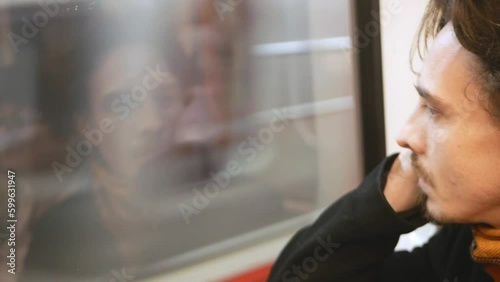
485 249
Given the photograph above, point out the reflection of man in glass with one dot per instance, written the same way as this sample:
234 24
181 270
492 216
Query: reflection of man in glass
133 90
128 79
141 127
128 97
141 100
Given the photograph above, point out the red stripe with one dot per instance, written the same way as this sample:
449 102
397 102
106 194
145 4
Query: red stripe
256 275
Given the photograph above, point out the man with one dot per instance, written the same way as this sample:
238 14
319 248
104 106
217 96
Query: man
453 139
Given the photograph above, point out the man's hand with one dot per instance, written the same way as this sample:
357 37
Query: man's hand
401 190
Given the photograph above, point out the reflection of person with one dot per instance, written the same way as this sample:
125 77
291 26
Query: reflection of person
454 142
128 98
122 89
140 129
141 99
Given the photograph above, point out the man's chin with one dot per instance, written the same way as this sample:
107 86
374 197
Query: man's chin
428 211
435 215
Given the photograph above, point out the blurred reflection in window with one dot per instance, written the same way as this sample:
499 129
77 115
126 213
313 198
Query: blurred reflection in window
147 135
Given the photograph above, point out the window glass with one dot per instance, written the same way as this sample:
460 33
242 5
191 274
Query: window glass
148 135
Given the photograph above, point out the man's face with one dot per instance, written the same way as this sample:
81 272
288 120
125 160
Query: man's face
138 94
455 141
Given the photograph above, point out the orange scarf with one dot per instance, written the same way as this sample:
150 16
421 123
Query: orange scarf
486 249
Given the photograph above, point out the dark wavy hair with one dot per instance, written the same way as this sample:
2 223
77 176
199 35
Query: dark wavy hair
477 27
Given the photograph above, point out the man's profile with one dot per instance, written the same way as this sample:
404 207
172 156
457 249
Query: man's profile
452 140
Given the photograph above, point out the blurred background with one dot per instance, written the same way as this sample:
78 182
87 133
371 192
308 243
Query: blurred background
187 140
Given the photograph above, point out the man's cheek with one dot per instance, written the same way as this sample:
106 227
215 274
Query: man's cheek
439 136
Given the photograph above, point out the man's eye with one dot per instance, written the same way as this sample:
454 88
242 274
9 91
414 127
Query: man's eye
431 110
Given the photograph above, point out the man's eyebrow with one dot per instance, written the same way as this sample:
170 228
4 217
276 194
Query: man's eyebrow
431 99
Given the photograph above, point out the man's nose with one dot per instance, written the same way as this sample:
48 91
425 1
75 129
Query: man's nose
413 135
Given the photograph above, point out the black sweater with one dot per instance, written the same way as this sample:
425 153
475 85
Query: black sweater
354 239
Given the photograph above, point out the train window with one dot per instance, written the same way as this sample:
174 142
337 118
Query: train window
147 135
